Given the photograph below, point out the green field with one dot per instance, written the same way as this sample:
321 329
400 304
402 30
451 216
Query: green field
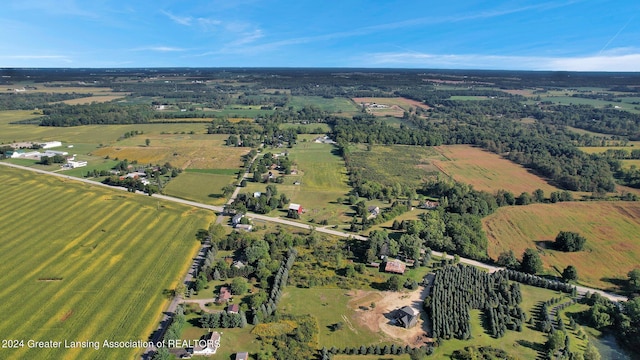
333 105
85 263
200 187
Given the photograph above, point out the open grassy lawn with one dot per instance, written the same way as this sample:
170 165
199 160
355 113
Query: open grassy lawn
333 105
404 164
87 263
612 230
488 171
329 306
200 187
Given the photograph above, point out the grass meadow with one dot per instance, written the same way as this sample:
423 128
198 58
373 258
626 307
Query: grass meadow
488 171
410 165
85 263
612 230
330 306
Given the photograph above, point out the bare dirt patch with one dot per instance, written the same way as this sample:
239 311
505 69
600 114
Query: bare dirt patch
378 318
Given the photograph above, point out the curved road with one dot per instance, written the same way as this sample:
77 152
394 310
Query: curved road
219 209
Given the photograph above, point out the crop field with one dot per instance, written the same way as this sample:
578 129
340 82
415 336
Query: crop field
612 230
98 277
402 164
200 187
334 105
567 100
488 171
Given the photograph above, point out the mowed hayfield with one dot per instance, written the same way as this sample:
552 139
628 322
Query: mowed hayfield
83 262
200 187
612 230
324 179
488 171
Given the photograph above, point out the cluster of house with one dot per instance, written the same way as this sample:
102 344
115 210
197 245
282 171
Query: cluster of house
24 151
139 175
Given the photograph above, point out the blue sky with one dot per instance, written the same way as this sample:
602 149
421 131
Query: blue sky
580 35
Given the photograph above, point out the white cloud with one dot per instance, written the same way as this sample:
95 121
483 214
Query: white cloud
182 20
612 61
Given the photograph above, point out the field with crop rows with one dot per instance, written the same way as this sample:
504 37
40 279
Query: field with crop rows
83 262
612 230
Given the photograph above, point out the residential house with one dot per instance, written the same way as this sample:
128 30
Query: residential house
373 211
235 220
242 356
224 295
406 317
245 227
209 346
233 309
395 266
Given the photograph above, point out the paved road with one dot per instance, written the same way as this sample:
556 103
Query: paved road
580 289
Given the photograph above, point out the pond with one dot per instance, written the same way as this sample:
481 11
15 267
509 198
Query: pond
609 348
